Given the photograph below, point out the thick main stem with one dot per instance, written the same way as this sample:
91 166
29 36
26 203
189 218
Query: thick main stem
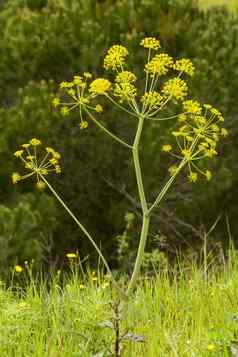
144 206
140 254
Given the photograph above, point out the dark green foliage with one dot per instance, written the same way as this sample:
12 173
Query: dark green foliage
44 42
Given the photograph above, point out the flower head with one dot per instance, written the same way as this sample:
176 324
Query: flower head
197 137
160 64
99 86
152 100
176 88
125 91
71 255
37 163
192 106
125 77
18 269
150 42
115 57
184 65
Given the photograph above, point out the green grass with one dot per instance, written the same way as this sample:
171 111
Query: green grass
232 4
178 315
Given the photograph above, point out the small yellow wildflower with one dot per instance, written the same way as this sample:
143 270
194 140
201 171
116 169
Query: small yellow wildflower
192 106
35 142
71 255
18 269
166 148
173 170
125 77
99 86
150 42
208 175
125 91
78 80
18 153
64 111
49 162
83 124
152 99
99 108
81 286
16 177
184 65
115 57
56 102
25 146
40 185
187 154
193 176
160 64
176 88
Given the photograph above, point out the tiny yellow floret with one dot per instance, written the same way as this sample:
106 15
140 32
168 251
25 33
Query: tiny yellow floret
71 255
166 148
18 153
99 108
16 177
56 102
35 142
18 269
83 124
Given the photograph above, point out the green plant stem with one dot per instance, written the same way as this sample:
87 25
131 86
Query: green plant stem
144 206
136 159
140 254
166 187
107 131
79 224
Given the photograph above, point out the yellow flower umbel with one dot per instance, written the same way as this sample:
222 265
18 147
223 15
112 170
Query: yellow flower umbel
18 269
151 43
99 86
115 57
159 65
175 88
79 94
37 162
184 65
197 137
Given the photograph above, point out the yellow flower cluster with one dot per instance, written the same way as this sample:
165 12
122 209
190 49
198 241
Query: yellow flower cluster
99 86
198 136
151 43
36 164
152 100
160 64
115 57
125 77
184 65
125 91
192 107
175 88
81 95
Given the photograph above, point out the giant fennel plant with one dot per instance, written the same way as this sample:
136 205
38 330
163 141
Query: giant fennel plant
193 142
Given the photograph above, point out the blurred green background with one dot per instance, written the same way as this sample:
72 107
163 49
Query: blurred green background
46 41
